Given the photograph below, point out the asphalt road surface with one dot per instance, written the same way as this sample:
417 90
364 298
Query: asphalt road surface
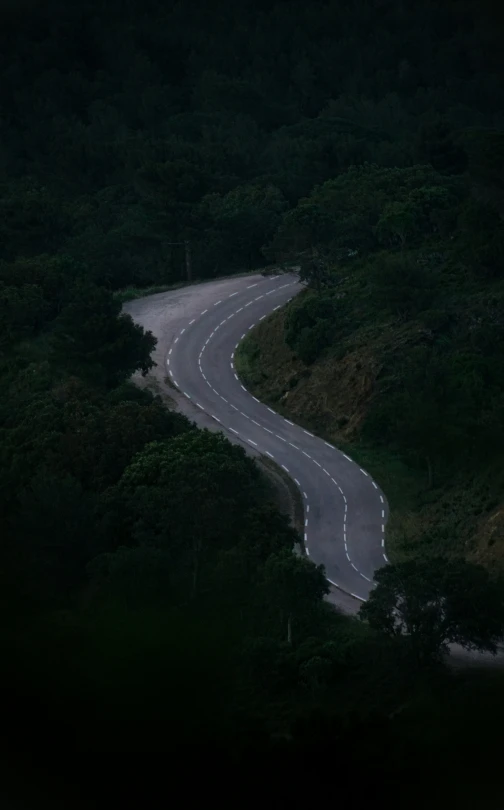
199 329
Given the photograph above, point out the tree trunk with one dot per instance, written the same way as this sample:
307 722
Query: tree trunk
430 477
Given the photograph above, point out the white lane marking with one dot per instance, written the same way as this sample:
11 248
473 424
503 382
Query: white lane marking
232 355
329 445
307 550
224 399
244 414
383 528
270 410
356 596
217 420
284 468
262 317
239 310
385 557
234 431
176 340
316 462
217 303
249 304
306 454
234 406
207 341
346 507
170 351
383 513
232 366
347 457
381 499
281 438
273 278
175 383
223 322
278 307
251 442
243 336
182 331
255 399
348 556
171 373
193 321
308 508
200 406
215 392
230 296
242 386
289 423
204 311
186 394
305 537
305 495
327 472
297 482
168 362
383 542
364 576
252 285
308 433
217 327
258 297
363 472
344 498
251 326
375 485
271 291
306 522
269 454
204 377
354 567
268 430
294 446
236 375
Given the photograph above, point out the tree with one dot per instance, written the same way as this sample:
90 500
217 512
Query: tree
437 602
293 586
93 338
189 496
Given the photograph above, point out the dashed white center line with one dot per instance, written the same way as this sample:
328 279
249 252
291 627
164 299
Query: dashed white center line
252 285
217 303
204 311
230 296
193 321
182 331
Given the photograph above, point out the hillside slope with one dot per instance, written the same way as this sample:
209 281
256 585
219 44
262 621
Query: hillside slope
395 348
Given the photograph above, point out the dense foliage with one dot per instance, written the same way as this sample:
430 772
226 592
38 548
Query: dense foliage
151 597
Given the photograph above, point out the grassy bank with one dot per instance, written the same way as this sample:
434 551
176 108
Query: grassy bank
331 398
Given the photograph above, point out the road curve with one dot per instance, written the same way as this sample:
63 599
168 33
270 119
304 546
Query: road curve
199 329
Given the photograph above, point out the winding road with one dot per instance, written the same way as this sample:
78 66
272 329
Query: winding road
199 329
